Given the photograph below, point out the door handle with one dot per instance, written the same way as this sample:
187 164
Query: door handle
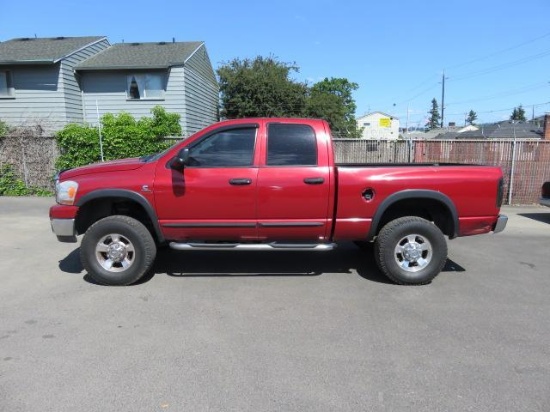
314 180
240 182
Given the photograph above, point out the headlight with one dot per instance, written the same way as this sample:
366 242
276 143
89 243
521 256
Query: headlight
65 192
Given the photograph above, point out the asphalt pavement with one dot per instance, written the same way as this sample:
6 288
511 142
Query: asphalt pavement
279 331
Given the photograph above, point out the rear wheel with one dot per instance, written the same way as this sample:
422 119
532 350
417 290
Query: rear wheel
117 250
410 250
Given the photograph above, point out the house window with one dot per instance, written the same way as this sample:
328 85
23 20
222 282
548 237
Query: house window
145 86
6 87
366 124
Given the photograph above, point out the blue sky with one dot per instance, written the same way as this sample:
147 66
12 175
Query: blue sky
495 54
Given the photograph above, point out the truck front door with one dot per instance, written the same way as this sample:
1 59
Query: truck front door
214 198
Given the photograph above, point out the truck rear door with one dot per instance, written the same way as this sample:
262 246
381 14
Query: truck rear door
294 184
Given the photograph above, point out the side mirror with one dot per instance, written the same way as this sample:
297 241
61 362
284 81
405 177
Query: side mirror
181 159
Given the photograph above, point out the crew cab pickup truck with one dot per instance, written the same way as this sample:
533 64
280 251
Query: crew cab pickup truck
270 184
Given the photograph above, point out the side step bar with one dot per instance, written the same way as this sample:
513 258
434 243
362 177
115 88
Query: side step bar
294 247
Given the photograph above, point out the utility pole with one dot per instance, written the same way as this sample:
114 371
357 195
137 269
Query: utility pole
443 100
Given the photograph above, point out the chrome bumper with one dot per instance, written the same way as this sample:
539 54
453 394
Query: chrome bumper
64 230
501 223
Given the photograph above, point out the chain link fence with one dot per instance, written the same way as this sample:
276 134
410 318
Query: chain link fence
31 156
525 163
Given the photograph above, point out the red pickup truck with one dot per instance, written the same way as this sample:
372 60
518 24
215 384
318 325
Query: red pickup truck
270 184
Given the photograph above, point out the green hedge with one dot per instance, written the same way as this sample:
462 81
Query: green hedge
122 136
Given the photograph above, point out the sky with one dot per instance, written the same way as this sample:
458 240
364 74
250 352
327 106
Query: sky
494 54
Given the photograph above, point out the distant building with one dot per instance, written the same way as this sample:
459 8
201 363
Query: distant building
55 81
502 130
378 125
37 80
135 77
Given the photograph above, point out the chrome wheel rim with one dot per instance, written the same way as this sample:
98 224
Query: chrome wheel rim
115 253
413 253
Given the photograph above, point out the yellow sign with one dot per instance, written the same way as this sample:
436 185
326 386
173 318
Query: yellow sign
385 122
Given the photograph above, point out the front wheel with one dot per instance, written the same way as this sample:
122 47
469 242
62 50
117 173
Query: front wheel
117 250
410 250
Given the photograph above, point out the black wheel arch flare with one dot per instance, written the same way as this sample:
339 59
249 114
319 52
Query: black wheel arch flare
125 194
419 194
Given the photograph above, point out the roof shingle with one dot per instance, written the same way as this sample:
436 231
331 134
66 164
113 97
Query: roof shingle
141 56
42 50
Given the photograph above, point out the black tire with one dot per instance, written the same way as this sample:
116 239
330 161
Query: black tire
117 251
410 250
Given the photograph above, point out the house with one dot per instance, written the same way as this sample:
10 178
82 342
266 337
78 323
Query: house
55 81
378 125
502 130
37 81
135 77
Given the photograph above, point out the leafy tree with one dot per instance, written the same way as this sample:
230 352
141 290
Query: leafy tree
332 100
518 114
260 87
435 117
472 117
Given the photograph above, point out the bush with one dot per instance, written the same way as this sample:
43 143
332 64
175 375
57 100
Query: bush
122 136
11 185
3 128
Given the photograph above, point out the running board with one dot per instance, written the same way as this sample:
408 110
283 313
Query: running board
293 247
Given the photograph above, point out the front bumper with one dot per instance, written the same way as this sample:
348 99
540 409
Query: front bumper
64 230
62 220
501 223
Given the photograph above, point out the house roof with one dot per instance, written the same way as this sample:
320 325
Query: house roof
42 50
160 55
502 130
377 112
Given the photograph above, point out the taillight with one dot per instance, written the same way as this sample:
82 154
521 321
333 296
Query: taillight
500 192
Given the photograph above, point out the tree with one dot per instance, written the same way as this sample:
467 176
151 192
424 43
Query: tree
518 114
434 119
260 88
332 100
472 117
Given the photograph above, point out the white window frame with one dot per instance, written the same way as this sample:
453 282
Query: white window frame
145 83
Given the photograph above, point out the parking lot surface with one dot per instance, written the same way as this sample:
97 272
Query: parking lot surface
280 331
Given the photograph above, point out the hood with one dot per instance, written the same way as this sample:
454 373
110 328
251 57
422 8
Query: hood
105 167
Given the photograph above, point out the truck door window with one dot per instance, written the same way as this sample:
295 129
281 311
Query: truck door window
291 145
227 148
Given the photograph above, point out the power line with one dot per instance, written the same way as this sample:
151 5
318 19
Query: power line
416 115
499 52
507 93
502 66
504 110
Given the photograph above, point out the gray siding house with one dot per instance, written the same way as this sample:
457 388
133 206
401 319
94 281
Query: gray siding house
38 83
135 77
